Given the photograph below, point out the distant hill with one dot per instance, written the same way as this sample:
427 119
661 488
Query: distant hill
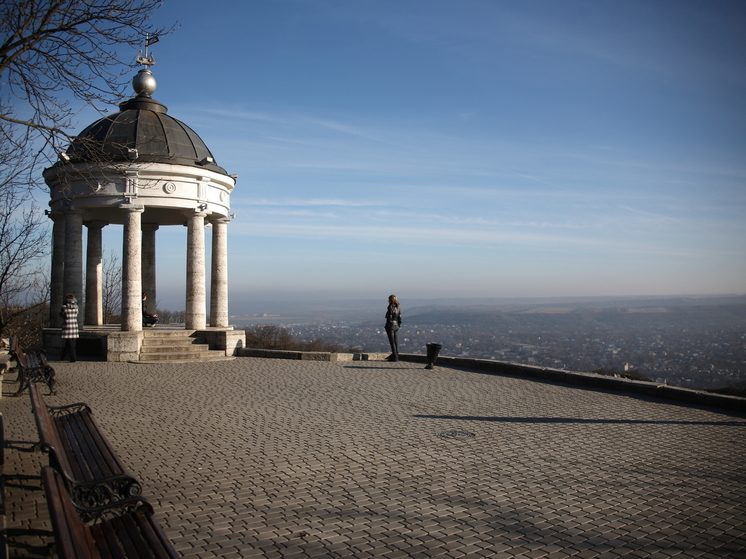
715 311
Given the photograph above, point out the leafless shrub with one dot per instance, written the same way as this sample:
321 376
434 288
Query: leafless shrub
270 336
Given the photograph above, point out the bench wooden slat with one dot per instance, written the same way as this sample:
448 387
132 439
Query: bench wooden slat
93 455
156 537
92 431
74 540
81 459
123 538
48 434
132 524
108 541
119 532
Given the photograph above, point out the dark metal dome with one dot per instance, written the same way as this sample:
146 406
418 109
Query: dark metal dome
142 132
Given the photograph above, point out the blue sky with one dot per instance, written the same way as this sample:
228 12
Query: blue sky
466 147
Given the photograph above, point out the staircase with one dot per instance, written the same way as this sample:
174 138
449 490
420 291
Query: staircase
176 346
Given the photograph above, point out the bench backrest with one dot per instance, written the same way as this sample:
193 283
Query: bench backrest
17 353
14 345
73 538
48 434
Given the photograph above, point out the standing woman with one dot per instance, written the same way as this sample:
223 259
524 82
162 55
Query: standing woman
70 334
393 321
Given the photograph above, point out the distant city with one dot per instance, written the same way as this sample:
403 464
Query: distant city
687 341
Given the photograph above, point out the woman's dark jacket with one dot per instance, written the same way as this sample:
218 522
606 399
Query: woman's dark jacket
393 317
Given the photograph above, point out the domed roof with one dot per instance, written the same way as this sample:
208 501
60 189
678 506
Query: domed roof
142 132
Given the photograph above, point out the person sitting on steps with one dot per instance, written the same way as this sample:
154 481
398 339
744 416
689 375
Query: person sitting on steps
148 319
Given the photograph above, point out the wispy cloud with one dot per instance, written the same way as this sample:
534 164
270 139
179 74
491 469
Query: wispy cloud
290 119
648 216
240 114
301 213
342 128
481 221
456 237
315 202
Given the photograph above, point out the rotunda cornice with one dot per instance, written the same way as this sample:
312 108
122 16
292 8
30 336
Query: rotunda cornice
165 191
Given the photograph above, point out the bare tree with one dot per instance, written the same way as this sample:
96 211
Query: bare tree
53 51
54 56
171 317
112 287
271 336
22 282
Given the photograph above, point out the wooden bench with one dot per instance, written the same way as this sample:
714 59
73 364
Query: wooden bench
32 366
81 453
126 530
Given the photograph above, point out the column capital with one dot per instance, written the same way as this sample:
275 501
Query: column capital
221 219
149 227
95 224
129 207
196 213
54 214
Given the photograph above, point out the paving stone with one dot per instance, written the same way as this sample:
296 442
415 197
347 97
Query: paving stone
268 458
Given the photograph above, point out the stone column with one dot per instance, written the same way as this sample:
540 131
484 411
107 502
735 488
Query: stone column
148 265
219 278
73 272
131 269
94 276
195 280
57 278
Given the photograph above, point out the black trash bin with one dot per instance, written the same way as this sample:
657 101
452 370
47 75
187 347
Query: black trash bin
432 354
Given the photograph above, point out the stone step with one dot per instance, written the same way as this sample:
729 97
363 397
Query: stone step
156 333
172 342
195 352
175 357
166 350
160 346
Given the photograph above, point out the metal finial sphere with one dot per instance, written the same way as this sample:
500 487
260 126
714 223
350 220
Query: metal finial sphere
144 83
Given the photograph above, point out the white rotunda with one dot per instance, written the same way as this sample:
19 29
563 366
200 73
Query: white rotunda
142 169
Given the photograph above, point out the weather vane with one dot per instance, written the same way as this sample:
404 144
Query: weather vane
148 59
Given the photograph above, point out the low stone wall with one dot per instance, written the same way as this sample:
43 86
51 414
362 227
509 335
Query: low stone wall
229 341
310 355
123 346
590 380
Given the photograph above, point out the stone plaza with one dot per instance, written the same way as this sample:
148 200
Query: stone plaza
304 459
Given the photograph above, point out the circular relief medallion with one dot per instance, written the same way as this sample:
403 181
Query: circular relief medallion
169 188
223 195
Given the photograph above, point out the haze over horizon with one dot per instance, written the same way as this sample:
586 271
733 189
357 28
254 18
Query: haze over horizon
472 148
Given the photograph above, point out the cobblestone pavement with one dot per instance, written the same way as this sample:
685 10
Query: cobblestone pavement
294 459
